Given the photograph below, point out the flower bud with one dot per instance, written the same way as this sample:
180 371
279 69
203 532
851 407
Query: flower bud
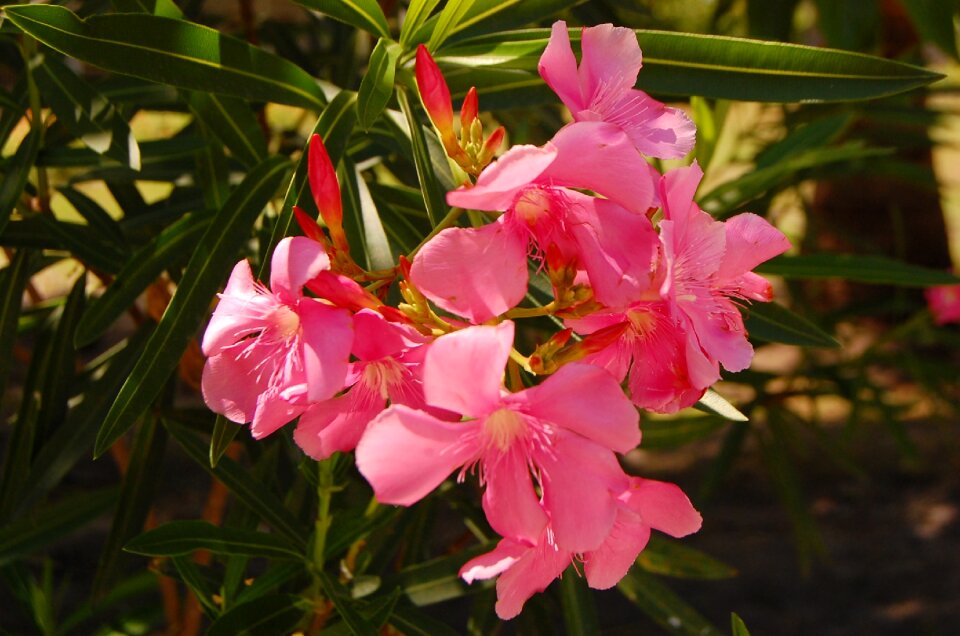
469 110
326 191
434 92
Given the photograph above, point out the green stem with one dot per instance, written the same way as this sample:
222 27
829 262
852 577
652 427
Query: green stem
325 494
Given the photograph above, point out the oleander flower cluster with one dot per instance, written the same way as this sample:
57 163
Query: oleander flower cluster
649 289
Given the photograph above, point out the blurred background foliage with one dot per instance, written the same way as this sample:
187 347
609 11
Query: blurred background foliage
128 175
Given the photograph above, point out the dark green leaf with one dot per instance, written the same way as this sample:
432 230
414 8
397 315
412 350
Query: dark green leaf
86 113
234 124
269 581
579 608
672 558
718 66
677 431
58 377
267 616
84 244
346 607
377 85
856 268
663 605
363 14
100 222
433 195
849 24
198 582
183 537
13 280
41 526
170 51
934 20
224 432
773 322
815 134
737 626
413 622
136 496
14 179
206 270
140 271
248 490
438 579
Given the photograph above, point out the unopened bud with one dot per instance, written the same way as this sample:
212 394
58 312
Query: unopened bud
434 92
491 146
469 110
326 191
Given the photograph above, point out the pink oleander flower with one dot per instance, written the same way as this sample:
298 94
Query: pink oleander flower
708 265
944 303
273 351
602 89
481 272
388 366
524 569
561 434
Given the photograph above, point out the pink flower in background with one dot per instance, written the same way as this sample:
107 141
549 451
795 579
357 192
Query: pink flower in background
602 89
388 367
708 265
564 431
944 303
273 351
525 569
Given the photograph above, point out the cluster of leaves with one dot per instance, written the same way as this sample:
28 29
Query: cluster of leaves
87 373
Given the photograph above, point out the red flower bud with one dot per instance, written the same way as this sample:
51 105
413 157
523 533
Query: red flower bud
434 92
469 109
326 190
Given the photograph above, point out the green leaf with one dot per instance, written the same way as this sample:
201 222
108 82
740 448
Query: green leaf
579 608
377 85
100 222
773 322
363 14
224 432
136 496
677 431
672 558
815 134
248 490
438 579
346 607
856 268
448 20
496 16
267 616
433 195
41 526
183 537
369 232
13 280
58 379
14 179
417 14
413 622
934 20
663 605
233 123
170 51
737 626
718 66
275 576
199 582
86 113
714 403
140 271
84 244
206 270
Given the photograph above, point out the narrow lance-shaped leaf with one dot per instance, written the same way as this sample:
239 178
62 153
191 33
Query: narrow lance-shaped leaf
86 113
664 606
579 607
856 268
233 123
205 272
13 280
433 196
417 13
718 66
449 19
97 218
674 558
170 51
277 614
14 180
377 85
363 14
183 537
773 322
248 490
714 403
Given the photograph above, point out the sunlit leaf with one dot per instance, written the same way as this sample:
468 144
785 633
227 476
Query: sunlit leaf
363 14
377 85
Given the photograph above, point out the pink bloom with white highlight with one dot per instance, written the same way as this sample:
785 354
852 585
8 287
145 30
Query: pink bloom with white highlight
525 569
552 430
602 89
388 367
708 265
273 351
944 303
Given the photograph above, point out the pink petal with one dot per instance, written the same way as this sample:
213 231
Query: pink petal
654 128
486 566
374 337
477 273
241 311
509 501
598 156
605 566
405 454
677 190
663 507
618 248
609 64
326 339
500 182
558 67
530 574
750 240
230 383
944 303
272 412
463 371
579 478
589 401
296 260
338 423
719 329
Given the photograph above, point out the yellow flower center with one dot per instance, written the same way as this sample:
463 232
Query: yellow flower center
286 320
503 426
